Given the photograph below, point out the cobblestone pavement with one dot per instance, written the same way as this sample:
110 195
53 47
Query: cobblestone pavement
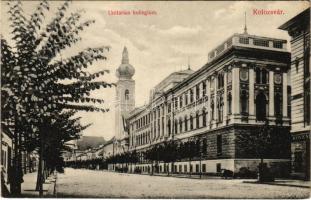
90 183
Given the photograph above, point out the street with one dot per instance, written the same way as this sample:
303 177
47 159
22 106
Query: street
79 183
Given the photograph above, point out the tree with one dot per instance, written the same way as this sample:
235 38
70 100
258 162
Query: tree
37 84
260 143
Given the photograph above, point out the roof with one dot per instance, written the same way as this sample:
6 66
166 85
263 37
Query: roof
303 17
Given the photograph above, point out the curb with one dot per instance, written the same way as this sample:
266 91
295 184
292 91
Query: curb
278 184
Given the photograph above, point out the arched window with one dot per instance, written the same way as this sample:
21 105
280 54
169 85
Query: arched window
229 103
186 123
244 102
180 125
261 110
191 122
278 105
204 117
197 119
127 94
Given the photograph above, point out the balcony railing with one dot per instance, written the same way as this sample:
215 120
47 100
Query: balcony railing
248 41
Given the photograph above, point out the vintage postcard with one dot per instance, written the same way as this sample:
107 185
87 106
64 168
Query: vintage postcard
155 99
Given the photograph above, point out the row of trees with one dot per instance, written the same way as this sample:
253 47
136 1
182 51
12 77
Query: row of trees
41 91
262 143
172 151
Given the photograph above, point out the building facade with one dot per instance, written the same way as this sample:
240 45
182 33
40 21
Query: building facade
243 85
299 30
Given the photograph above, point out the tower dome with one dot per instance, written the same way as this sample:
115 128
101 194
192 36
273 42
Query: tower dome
125 70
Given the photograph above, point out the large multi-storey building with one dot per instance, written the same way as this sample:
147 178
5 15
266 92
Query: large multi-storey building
299 29
243 85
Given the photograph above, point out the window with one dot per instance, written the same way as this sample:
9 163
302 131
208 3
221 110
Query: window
244 40
176 102
278 105
244 102
127 94
261 76
229 103
169 107
176 126
191 122
212 109
220 81
277 44
260 42
204 168
220 109
261 104
169 127
162 125
185 169
197 118
197 168
203 88
204 117
197 93
180 101
180 125
186 123
159 126
218 167
191 95
219 144
180 168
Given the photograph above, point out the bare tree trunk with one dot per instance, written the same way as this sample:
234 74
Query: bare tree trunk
17 175
168 169
261 170
39 185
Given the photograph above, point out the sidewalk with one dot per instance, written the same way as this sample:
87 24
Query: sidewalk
285 182
29 186
279 182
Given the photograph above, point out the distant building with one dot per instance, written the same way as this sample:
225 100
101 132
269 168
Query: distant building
6 158
299 29
244 83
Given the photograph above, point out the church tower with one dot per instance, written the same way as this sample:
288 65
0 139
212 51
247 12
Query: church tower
125 96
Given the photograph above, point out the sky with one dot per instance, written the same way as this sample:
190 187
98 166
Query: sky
160 44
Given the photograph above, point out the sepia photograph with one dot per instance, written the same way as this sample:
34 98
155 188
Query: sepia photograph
155 99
